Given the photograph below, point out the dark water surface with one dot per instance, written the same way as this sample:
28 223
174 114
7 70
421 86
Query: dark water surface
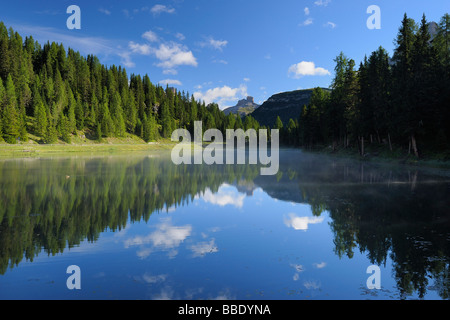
140 227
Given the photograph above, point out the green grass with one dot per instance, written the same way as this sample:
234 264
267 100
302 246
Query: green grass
81 145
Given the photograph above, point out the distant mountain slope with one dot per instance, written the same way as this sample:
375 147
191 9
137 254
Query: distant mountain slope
286 105
244 107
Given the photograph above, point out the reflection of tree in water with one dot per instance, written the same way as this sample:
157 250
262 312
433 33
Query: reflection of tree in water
53 204
382 211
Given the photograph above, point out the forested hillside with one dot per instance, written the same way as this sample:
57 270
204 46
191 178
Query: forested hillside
395 102
53 94
401 101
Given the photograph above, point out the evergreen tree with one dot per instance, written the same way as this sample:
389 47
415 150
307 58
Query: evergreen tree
2 97
11 119
40 116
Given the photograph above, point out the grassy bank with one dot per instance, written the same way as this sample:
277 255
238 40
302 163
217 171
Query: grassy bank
80 145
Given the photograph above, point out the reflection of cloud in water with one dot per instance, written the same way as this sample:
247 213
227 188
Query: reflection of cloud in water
312 284
226 195
165 294
320 265
166 237
298 268
224 295
154 279
301 223
202 248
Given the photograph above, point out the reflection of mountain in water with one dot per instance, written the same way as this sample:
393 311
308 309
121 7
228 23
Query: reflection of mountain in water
383 211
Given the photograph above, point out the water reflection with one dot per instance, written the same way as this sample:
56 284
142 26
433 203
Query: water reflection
395 216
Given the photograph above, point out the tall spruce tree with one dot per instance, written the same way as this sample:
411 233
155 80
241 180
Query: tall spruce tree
10 117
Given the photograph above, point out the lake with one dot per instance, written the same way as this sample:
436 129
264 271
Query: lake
140 227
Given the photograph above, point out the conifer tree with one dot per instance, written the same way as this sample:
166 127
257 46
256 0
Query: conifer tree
11 119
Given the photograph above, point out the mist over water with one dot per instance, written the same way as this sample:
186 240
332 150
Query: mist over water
140 227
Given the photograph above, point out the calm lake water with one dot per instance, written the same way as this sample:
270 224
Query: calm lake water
140 227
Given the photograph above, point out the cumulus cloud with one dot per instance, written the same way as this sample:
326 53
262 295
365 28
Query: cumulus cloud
143 49
226 195
222 95
301 223
171 55
306 11
306 68
166 237
150 36
159 8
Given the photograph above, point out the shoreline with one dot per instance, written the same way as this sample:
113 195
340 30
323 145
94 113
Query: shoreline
375 156
37 150
29 150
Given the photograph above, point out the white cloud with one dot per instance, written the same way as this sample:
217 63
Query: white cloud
86 45
307 12
301 223
312 284
154 279
166 237
173 54
322 3
307 22
126 60
220 61
150 36
320 265
222 95
170 82
170 71
159 8
180 36
306 68
143 49
202 248
105 11
330 24
226 195
170 55
215 44
247 79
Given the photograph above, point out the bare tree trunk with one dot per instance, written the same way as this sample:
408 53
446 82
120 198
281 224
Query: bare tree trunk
390 144
414 145
414 181
362 146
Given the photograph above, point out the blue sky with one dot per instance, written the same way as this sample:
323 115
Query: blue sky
222 50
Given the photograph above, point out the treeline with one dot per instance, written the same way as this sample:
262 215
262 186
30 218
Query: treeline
399 102
51 93
49 212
